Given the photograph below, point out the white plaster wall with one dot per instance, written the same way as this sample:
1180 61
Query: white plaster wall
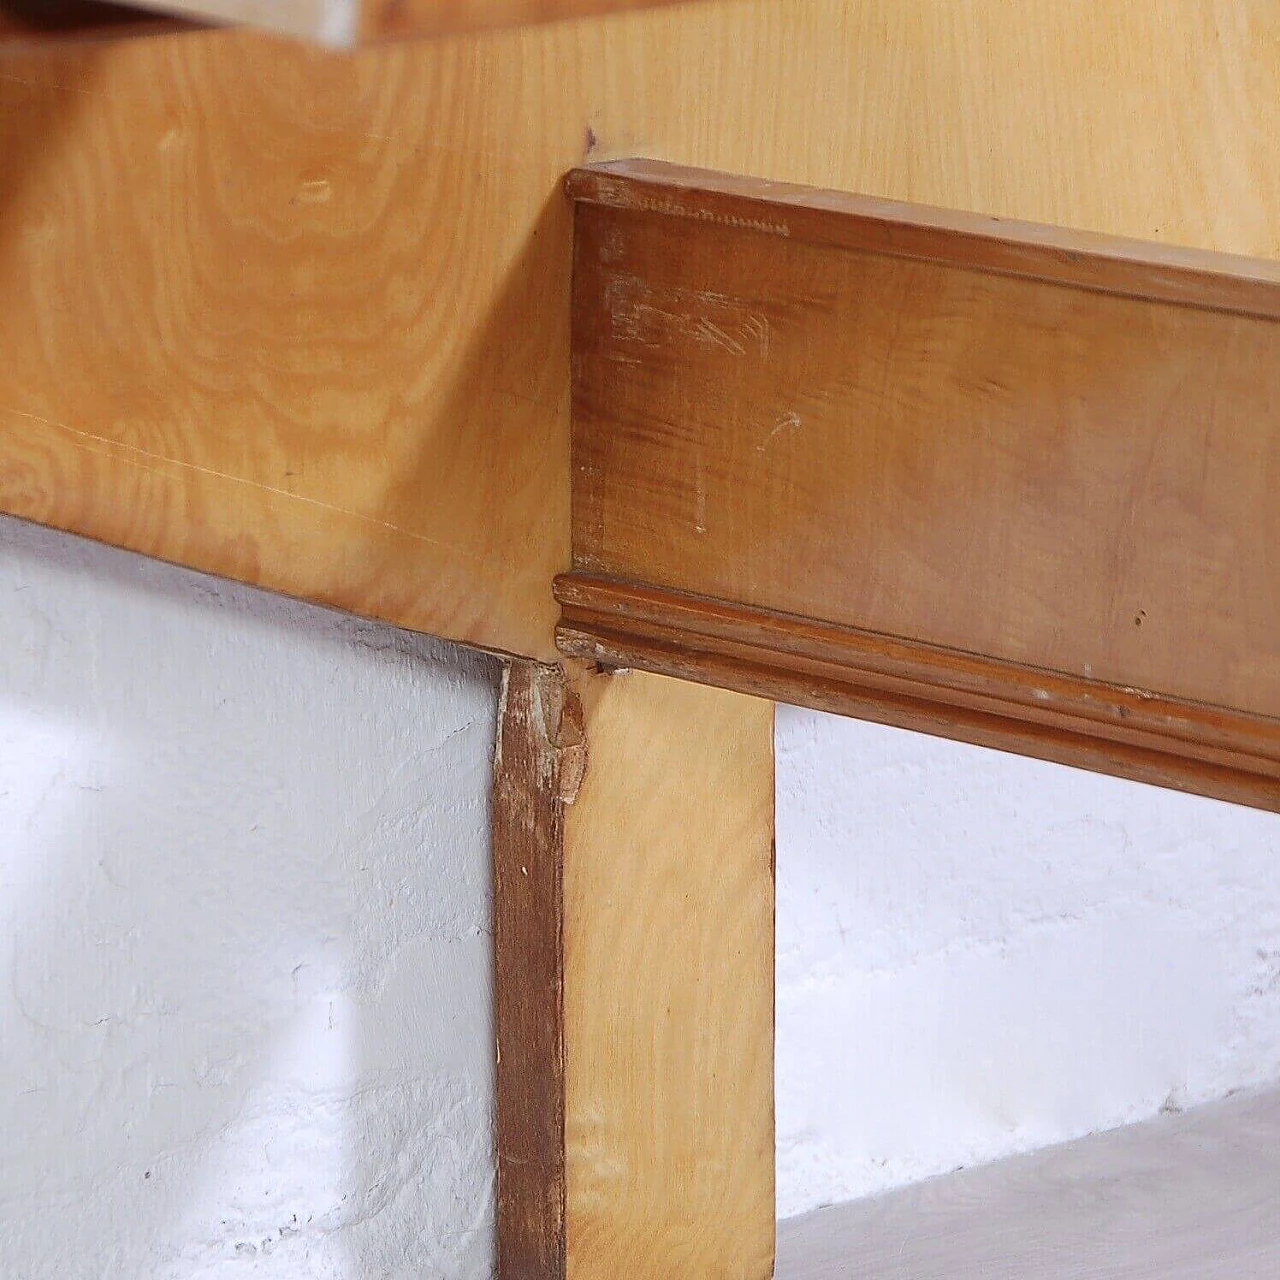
980 954
245 983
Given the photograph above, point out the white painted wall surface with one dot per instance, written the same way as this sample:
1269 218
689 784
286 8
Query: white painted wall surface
245 977
980 954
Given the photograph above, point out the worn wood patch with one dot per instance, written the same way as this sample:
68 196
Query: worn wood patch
538 765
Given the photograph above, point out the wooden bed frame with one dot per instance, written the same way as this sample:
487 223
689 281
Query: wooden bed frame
323 324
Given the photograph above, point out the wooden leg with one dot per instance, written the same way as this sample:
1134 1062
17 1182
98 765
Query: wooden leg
634 970
668 985
537 765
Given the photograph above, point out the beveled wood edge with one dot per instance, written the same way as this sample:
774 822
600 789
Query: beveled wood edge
1097 263
539 759
1207 750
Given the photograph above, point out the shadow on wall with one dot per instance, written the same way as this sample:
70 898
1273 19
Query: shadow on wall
245 996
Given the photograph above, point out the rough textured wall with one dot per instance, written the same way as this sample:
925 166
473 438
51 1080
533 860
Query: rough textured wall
980 954
245 985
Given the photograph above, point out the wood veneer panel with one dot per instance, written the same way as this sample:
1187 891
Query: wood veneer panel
668 884
303 320
1053 456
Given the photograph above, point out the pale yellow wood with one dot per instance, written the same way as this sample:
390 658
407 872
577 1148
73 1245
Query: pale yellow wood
302 319
668 986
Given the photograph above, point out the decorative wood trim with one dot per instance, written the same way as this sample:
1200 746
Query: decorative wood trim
538 763
1003 483
1209 750
1125 731
669 986
1001 246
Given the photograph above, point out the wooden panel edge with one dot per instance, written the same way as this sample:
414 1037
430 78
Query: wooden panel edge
1131 733
1080 259
539 756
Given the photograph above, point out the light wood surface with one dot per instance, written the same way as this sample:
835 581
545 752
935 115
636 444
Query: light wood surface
668 884
317 340
1189 1197
1010 483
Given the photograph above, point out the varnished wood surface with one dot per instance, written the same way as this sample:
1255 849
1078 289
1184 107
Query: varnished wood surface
1175 275
1229 755
538 763
668 885
1188 1197
1052 455
318 339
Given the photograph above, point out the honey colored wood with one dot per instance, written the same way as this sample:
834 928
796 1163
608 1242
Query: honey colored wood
318 340
1009 483
668 884
538 766
303 320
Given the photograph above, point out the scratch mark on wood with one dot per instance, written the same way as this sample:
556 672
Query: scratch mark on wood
788 422
117 448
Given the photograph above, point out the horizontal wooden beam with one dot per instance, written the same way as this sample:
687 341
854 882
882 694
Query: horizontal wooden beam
1003 483
945 692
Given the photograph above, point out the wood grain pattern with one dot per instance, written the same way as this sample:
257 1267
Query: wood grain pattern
1051 453
1187 1197
668 887
1134 269
318 341
538 764
1108 728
